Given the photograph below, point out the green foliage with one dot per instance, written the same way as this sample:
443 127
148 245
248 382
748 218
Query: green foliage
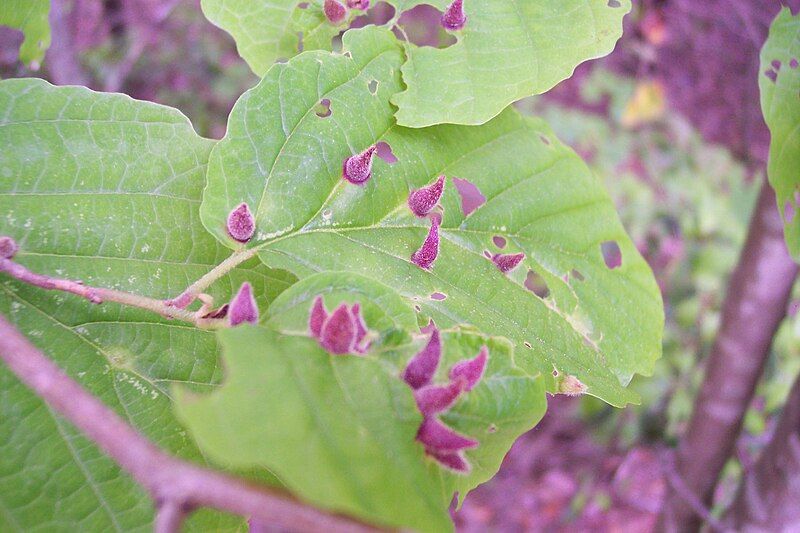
104 189
339 430
779 82
30 16
285 161
506 51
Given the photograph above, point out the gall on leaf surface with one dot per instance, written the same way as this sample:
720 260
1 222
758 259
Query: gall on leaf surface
104 189
779 83
340 430
31 17
285 162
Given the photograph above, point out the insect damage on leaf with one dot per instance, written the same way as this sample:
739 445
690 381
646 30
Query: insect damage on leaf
429 251
421 201
243 307
341 332
357 169
241 224
507 262
453 18
335 11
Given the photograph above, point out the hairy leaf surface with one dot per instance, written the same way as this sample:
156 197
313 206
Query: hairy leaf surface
779 81
104 189
598 323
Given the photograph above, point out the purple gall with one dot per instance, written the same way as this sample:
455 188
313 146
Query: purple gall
421 201
470 371
421 368
8 247
241 224
243 307
357 169
335 11
507 262
436 436
317 317
338 335
452 460
434 399
358 4
361 328
427 253
453 18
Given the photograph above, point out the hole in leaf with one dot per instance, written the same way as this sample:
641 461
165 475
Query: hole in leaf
438 296
499 241
373 86
545 140
772 75
491 429
299 41
420 25
613 3
536 284
471 197
574 274
776 64
417 308
323 109
384 151
488 254
378 14
303 5
788 211
612 255
555 372
527 344
793 63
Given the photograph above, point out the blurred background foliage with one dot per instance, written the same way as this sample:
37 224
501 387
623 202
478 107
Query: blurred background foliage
670 122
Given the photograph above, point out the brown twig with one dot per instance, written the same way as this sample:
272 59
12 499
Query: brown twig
174 484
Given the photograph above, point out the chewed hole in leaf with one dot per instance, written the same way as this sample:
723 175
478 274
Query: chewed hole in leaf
544 140
612 255
378 14
303 5
438 296
793 63
613 3
471 196
323 109
488 254
527 345
299 41
772 75
385 153
420 26
575 274
491 429
776 64
373 86
536 284
499 241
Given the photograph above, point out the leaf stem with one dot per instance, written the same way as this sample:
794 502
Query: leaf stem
166 478
98 295
195 289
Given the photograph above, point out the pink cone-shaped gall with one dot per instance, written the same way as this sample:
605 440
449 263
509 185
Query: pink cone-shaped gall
241 225
429 328
422 201
453 18
421 368
436 436
243 307
358 168
338 335
470 370
507 262
358 4
427 253
317 317
361 328
437 398
453 460
8 247
335 11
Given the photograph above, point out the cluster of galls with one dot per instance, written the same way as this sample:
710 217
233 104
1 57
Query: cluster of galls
336 12
441 442
340 332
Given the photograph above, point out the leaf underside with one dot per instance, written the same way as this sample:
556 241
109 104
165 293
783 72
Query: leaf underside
779 82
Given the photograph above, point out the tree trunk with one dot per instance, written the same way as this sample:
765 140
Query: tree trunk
755 304
769 496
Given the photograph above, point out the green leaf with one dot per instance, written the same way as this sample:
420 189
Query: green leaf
104 189
508 49
268 30
599 324
779 81
30 16
340 430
